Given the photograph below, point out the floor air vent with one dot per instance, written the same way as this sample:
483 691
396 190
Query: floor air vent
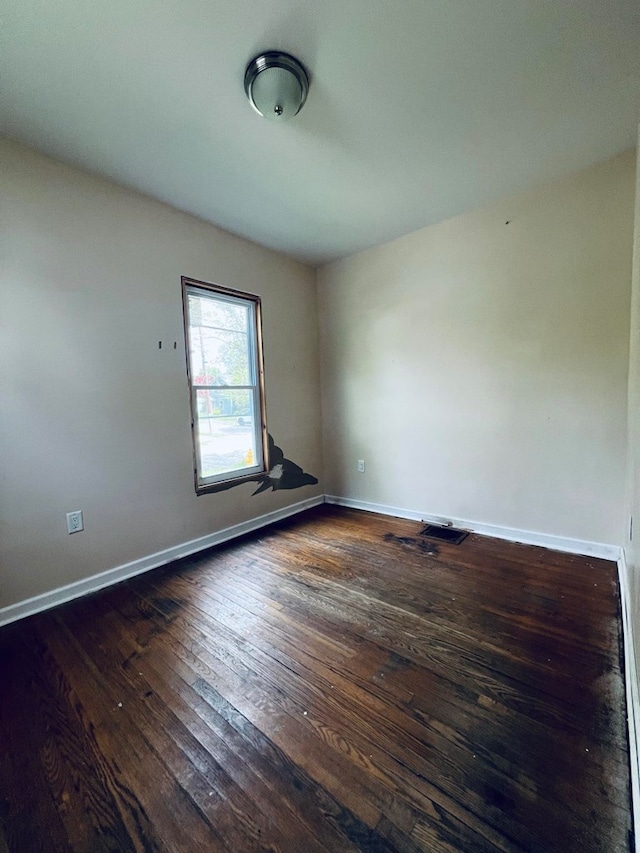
444 534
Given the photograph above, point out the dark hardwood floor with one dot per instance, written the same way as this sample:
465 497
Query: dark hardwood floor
334 683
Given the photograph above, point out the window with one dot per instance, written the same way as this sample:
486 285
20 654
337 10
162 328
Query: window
224 367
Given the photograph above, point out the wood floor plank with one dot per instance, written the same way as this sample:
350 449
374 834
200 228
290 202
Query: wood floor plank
27 805
494 781
534 669
142 777
333 683
228 808
503 682
141 682
74 770
251 696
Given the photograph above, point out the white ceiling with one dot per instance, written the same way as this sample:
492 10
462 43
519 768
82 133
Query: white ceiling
418 109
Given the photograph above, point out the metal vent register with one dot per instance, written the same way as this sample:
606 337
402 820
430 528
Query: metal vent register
444 534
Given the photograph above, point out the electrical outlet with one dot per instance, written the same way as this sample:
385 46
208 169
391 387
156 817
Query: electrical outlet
360 466
75 522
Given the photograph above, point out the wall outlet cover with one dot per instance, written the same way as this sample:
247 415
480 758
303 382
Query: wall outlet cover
75 521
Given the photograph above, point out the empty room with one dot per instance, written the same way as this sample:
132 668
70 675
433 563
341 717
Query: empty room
319 426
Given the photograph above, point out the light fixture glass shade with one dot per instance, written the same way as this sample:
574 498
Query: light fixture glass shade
276 85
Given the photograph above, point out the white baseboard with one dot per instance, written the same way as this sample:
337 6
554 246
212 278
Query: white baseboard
13 612
633 696
527 537
82 587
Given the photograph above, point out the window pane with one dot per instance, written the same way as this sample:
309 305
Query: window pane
226 432
220 342
224 353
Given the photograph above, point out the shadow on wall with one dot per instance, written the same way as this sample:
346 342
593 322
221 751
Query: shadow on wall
283 474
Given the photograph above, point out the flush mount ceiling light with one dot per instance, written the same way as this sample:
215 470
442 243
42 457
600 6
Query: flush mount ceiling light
276 85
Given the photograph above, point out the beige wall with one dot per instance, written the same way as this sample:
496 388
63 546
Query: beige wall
632 546
480 368
94 415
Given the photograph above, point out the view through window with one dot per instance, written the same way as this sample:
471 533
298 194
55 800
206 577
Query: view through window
224 367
